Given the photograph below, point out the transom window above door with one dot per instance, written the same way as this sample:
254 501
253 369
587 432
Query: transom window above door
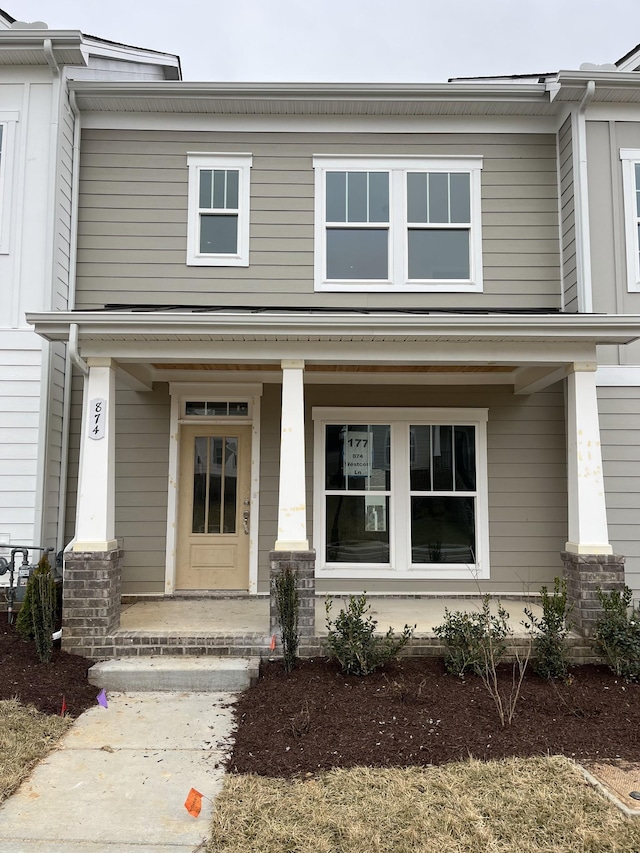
398 224
403 495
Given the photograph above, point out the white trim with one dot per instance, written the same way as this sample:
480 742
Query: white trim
233 392
398 228
400 545
223 161
618 376
8 122
630 157
581 195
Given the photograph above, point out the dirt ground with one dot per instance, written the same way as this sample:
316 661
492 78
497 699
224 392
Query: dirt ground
44 685
414 713
411 713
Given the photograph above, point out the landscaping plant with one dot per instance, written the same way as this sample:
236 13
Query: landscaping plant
476 642
37 616
468 638
617 634
287 603
352 640
550 653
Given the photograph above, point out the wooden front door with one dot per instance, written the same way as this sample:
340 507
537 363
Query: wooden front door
213 513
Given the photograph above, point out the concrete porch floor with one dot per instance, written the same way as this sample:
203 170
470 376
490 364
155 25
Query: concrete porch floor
228 616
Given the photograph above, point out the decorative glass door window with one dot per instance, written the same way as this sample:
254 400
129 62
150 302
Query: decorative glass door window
404 496
215 484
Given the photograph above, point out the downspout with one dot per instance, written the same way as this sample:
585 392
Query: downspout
585 290
45 348
72 356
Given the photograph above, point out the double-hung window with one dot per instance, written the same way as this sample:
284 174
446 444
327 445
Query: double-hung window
631 188
401 493
402 224
218 217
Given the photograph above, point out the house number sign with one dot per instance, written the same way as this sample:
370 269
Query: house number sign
97 418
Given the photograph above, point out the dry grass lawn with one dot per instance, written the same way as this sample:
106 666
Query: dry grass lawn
26 736
511 806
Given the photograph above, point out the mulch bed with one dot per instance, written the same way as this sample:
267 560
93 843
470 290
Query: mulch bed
44 685
414 713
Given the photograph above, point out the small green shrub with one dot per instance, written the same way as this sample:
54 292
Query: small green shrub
551 656
617 634
287 604
352 639
471 639
37 616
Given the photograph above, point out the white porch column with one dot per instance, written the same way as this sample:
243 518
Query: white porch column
588 533
292 502
95 514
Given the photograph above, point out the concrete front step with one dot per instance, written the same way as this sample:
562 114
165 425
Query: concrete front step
187 674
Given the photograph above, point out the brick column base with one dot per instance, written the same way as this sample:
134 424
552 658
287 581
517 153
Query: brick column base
585 574
303 563
90 599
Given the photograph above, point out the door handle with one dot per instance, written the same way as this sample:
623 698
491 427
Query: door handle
245 521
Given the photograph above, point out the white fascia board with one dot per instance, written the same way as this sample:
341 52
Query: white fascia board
617 328
535 92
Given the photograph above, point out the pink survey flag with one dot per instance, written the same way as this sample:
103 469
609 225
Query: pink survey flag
101 699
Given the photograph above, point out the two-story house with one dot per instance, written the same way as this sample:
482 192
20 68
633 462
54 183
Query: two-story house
368 330
39 144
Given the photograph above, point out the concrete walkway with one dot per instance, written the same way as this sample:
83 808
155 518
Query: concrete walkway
120 777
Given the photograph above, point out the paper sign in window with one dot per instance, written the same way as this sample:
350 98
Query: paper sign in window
357 454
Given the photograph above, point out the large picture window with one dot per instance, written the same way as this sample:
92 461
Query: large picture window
398 224
401 495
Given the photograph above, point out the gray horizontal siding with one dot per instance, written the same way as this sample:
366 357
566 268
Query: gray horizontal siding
620 437
567 216
133 208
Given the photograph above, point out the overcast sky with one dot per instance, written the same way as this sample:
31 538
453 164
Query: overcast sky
355 40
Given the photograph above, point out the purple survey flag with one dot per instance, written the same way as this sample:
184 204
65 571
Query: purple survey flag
101 699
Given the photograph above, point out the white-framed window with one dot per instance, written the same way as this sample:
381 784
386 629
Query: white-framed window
631 191
399 223
8 122
218 216
401 493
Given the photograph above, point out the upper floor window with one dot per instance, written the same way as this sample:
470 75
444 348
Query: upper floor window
407 223
218 218
631 188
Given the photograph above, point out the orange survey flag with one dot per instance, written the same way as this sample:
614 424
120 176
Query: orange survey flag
193 803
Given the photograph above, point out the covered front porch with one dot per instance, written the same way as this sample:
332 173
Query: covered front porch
297 386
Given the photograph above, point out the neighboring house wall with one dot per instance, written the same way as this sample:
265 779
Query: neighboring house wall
25 272
567 217
133 217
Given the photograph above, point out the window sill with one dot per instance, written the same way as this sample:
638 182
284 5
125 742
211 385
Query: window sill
217 261
454 571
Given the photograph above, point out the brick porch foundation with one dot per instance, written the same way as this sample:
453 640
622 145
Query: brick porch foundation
90 599
585 574
303 564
